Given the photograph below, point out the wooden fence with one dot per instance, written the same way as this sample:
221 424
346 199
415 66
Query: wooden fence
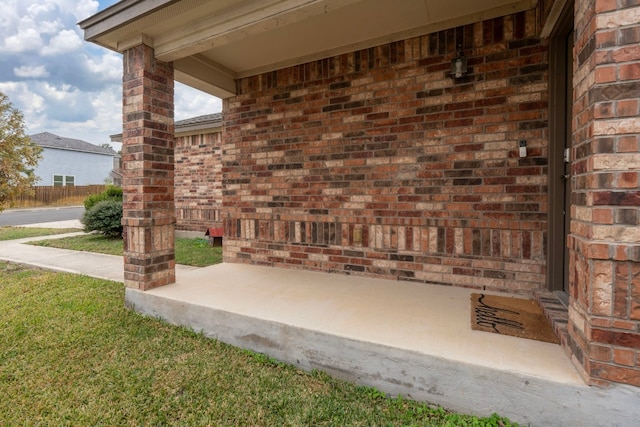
56 196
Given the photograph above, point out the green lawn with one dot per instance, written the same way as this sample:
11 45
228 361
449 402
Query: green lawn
71 354
12 233
195 252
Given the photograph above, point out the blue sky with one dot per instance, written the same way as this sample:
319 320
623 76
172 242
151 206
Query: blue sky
63 84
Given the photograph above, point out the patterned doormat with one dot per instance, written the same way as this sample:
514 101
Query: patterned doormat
510 316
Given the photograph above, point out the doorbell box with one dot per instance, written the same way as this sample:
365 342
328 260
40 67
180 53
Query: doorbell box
523 148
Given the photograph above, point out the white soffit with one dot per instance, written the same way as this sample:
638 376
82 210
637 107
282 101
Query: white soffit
214 42
356 25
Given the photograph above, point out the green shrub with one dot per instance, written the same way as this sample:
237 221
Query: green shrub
91 200
112 192
104 217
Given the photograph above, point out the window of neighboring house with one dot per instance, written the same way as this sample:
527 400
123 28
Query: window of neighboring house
63 180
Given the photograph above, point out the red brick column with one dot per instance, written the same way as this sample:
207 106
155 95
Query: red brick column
148 174
604 314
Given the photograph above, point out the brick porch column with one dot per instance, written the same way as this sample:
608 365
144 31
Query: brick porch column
604 313
148 175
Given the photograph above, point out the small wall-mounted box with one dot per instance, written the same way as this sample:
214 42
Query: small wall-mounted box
215 235
523 148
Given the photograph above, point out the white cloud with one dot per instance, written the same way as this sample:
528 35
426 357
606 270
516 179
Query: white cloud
190 102
31 72
40 8
9 17
50 27
65 111
81 9
64 42
25 40
108 65
29 103
106 118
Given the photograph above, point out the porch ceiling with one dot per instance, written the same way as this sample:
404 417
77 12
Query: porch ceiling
212 43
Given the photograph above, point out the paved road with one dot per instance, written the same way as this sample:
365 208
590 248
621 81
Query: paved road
34 216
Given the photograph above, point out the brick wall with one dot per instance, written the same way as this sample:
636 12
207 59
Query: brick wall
604 315
377 163
198 181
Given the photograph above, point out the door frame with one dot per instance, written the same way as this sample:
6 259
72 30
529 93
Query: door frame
558 122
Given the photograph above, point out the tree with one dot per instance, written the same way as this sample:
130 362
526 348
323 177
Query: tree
18 154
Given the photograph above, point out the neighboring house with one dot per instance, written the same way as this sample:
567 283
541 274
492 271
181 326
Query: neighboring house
349 146
68 161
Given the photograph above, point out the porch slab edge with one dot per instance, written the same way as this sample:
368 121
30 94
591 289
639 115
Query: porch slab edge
454 385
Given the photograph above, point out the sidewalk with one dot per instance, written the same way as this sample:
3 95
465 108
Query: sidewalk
72 223
101 266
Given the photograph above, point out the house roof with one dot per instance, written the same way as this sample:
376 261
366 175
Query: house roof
213 43
190 126
206 121
49 140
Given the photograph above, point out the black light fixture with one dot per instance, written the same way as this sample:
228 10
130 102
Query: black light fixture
458 65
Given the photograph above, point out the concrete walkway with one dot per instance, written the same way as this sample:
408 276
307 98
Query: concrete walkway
403 338
109 267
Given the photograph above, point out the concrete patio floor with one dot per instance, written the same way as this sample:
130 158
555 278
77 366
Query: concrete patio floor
402 338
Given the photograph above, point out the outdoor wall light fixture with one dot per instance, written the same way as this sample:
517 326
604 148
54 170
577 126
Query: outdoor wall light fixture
458 65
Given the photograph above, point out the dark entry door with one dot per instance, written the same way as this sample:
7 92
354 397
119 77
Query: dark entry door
561 103
566 160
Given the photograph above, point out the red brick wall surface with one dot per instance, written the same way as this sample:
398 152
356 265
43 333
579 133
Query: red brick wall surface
377 163
604 315
198 181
